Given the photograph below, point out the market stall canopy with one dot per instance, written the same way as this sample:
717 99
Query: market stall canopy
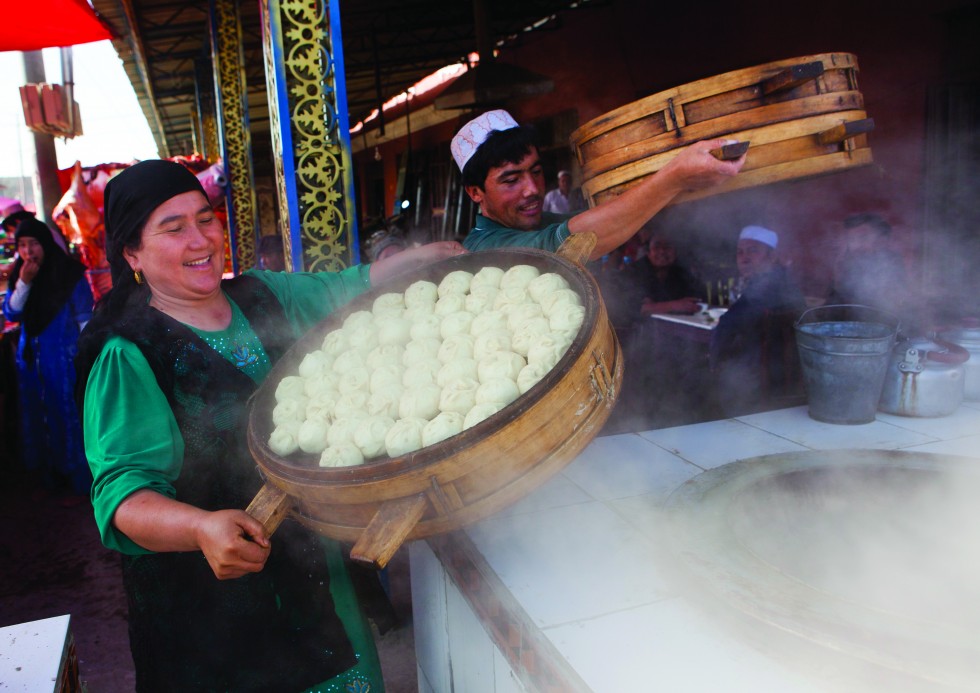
31 26
389 45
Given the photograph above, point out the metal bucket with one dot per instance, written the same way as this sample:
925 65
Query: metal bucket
844 354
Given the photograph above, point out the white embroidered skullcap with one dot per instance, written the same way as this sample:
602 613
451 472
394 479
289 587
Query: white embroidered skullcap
563 172
761 234
474 133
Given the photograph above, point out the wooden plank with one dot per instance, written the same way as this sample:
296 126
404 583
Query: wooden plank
536 662
752 96
789 171
705 88
640 129
726 126
659 151
779 133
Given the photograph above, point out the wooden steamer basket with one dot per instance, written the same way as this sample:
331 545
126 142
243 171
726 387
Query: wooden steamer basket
802 117
463 479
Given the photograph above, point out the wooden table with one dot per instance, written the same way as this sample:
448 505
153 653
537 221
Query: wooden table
668 379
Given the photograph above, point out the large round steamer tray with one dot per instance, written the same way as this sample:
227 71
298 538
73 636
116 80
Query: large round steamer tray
800 117
440 488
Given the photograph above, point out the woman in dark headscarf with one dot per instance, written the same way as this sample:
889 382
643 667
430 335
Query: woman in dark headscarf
168 363
49 296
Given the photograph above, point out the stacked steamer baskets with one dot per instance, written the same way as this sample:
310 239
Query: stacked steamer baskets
379 504
801 117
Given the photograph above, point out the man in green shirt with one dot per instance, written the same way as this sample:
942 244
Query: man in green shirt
502 173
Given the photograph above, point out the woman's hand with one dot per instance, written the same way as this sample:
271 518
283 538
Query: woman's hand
234 543
29 270
411 259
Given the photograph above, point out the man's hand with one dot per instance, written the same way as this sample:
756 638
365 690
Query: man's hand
683 306
234 542
613 222
411 259
696 167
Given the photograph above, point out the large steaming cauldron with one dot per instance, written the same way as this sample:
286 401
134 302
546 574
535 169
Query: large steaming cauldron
463 479
858 565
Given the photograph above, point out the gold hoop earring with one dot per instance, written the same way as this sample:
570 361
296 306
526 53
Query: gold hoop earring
138 276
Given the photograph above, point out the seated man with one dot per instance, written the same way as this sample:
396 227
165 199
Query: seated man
655 283
753 351
665 378
870 273
502 173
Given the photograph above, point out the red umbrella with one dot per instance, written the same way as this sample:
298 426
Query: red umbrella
36 24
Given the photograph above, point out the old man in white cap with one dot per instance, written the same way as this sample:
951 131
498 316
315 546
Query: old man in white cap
751 353
502 173
560 200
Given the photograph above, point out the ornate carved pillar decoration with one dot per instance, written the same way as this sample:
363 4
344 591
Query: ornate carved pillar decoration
209 128
310 132
236 149
205 120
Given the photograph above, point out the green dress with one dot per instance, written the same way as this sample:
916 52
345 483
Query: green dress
134 441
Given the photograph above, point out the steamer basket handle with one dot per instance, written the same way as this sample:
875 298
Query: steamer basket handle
387 530
578 247
953 355
269 507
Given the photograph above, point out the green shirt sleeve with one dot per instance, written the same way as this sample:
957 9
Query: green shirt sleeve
131 436
309 297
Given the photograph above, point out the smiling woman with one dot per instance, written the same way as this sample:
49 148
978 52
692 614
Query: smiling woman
167 364
170 479
180 259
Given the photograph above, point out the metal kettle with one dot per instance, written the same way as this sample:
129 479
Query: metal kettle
967 335
925 377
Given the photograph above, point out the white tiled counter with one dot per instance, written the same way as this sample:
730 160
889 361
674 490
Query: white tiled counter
570 589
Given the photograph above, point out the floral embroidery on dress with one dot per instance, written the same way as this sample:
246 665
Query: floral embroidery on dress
243 357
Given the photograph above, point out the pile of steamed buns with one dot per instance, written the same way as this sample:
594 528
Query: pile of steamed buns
426 364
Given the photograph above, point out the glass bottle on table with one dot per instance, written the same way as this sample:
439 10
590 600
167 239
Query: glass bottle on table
735 289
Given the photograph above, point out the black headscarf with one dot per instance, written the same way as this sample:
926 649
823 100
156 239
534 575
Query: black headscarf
15 218
130 199
55 280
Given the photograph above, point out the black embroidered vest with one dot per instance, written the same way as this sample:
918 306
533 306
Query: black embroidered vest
189 631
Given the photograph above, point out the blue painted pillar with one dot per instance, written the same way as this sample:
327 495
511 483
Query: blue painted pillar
311 137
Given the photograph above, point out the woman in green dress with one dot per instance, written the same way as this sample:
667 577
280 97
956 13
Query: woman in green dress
166 366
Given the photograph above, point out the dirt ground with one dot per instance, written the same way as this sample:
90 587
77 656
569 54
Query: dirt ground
53 563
